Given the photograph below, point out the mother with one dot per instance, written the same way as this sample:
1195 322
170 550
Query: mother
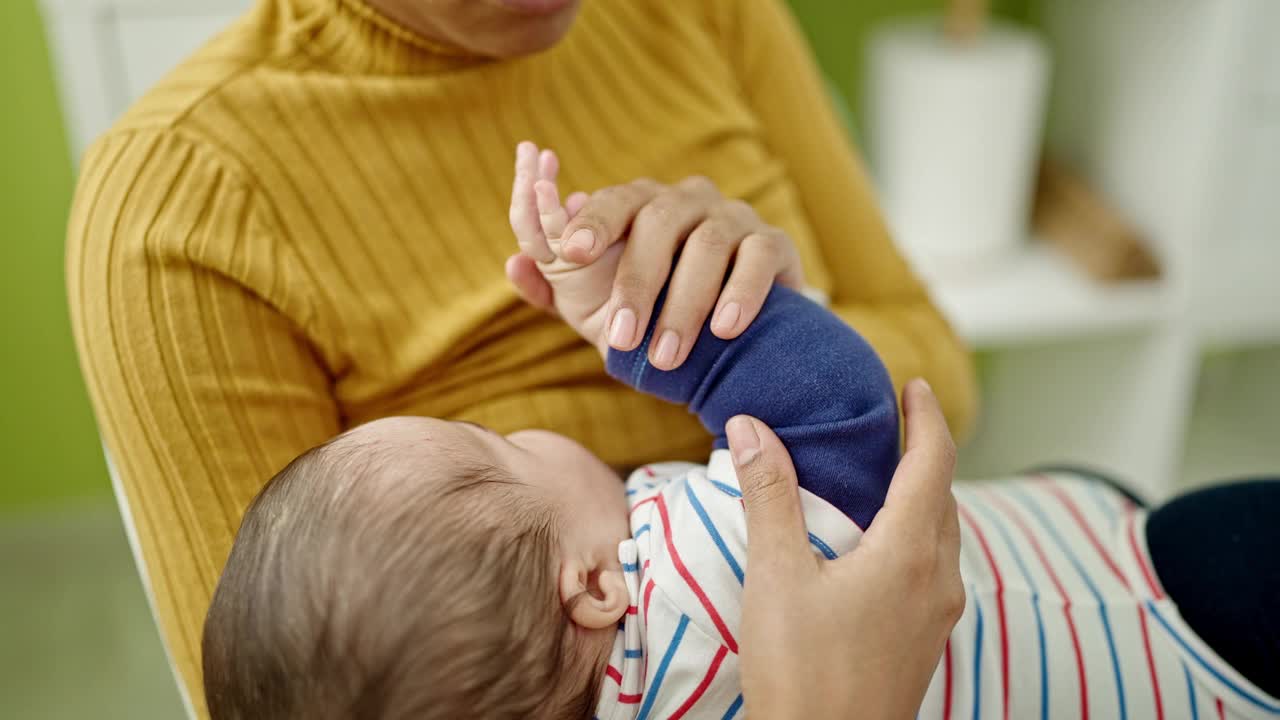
304 227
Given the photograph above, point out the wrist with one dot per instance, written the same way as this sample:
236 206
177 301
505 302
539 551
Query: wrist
580 297
592 329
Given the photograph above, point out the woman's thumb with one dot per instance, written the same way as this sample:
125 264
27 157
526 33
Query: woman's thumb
775 522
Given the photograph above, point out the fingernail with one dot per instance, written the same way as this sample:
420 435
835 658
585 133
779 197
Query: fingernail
584 239
743 441
668 346
623 327
727 318
924 385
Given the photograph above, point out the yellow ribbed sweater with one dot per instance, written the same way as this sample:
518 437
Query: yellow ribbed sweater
303 228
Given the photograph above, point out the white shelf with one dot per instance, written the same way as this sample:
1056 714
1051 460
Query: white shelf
1037 296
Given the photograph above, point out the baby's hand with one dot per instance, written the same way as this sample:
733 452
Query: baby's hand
579 293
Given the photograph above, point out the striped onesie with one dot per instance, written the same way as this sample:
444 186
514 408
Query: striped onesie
1064 615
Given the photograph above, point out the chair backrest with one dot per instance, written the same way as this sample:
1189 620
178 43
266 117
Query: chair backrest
131 532
107 53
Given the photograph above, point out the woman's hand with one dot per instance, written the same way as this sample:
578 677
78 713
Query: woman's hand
864 632
579 294
692 218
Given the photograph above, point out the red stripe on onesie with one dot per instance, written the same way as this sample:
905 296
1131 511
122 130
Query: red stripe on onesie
691 582
1106 558
1138 555
1004 630
1013 515
702 686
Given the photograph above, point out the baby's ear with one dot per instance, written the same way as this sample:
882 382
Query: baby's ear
594 597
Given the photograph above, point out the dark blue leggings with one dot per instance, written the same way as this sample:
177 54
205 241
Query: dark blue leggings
1217 553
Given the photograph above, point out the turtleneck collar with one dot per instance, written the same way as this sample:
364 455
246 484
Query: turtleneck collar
349 35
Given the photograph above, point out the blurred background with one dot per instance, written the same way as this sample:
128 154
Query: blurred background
1113 264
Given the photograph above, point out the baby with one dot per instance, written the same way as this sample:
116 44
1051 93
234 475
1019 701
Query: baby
420 568
415 567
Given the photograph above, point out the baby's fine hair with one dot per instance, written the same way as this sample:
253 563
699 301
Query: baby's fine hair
355 590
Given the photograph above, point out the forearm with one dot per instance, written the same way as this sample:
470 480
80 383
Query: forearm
806 374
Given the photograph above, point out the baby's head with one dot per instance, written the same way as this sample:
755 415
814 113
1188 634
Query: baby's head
422 568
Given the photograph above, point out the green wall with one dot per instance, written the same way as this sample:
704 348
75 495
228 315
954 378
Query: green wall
49 445
837 29
48 442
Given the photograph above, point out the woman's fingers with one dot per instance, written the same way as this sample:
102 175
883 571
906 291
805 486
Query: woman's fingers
770 494
604 218
919 501
694 286
659 230
791 273
949 557
929 439
886 608
690 220
762 257
523 214
915 538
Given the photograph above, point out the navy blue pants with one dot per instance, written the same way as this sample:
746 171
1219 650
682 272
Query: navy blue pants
1217 553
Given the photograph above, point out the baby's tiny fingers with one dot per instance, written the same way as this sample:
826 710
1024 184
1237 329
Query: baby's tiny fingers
524 208
526 159
548 165
551 213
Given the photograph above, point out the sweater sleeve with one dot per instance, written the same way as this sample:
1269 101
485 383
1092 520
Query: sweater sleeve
187 310
805 374
872 287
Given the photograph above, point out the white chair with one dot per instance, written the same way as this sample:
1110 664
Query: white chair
107 53
131 532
